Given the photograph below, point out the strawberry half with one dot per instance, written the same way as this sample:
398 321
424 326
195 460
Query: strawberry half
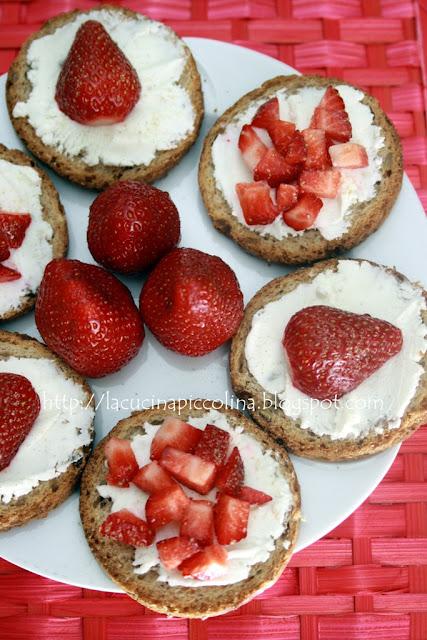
274 169
8 275
267 114
230 476
330 351
322 183
256 202
197 522
304 213
331 116
286 196
207 564
317 149
348 155
166 506
172 551
253 496
14 226
281 133
231 517
251 146
174 433
213 445
124 527
152 478
192 471
122 464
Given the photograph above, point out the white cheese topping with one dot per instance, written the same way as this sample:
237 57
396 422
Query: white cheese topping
385 395
162 117
357 185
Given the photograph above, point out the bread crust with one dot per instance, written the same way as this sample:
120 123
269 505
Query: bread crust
287 431
311 245
101 175
116 559
48 494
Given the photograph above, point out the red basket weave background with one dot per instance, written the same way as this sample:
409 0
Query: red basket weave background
368 578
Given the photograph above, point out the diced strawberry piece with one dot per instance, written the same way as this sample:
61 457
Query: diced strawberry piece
122 464
348 155
207 564
286 196
296 152
253 496
322 183
281 133
213 445
4 247
173 551
123 526
274 169
230 476
304 213
197 522
332 100
256 202
8 275
251 146
266 114
231 517
174 433
194 472
331 116
166 506
14 226
152 478
317 149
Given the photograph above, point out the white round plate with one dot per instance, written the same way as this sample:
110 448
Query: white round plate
55 547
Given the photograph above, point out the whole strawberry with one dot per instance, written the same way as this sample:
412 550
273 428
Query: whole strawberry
97 84
131 226
88 317
192 302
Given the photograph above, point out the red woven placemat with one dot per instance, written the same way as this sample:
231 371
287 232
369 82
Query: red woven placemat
368 578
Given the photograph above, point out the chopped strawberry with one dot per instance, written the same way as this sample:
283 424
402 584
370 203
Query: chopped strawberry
286 196
123 526
122 464
231 517
331 116
207 564
192 471
8 275
317 149
281 133
197 522
166 506
332 100
348 155
253 496
256 202
323 183
152 478
266 114
274 169
213 445
4 247
251 146
304 213
14 226
230 476
296 152
172 551
174 433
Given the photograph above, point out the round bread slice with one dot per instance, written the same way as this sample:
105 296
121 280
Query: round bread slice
74 168
116 559
48 494
286 430
310 245
53 214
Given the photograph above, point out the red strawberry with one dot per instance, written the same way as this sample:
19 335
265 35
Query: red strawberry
8 275
231 517
173 551
131 226
166 506
251 146
330 351
274 169
322 183
296 152
348 155
213 445
19 408
152 478
122 464
286 196
317 149
281 133
191 470
123 526
230 476
256 202
14 226
266 114
304 213
88 317
197 522
331 116
253 496
97 84
4 247
207 564
332 100
192 302
174 433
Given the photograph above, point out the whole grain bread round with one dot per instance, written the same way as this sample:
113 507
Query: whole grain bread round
310 245
116 559
53 214
48 494
74 168
287 431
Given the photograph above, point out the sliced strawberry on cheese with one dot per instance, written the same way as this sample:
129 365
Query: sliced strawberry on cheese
274 169
331 116
174 433
281 133
14 227
123 526
8 275
4 247
230 476
173 551
122 464
253 496
213 445
197 522
304 213
266 114
286 196
251 146
207 564
317 149
192 471
323 183
231 517
152 477
256 202
348 155
332 101
166 506
296 152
